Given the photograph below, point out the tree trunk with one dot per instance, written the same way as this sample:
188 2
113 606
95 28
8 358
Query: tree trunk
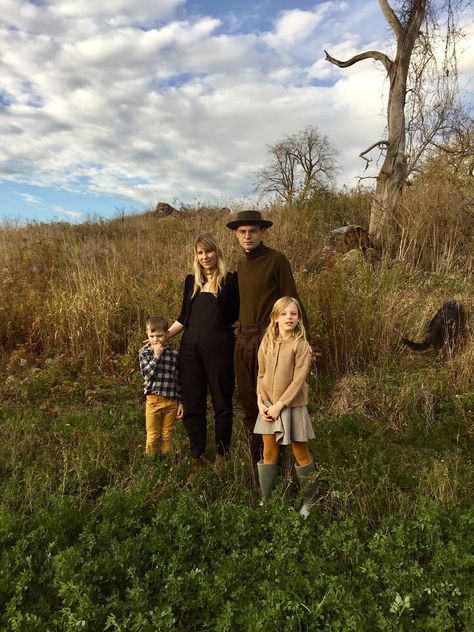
393 173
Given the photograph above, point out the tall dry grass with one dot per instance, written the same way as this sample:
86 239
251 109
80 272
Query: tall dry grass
83 291
436 224
73 303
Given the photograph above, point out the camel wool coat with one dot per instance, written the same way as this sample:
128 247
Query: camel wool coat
282 373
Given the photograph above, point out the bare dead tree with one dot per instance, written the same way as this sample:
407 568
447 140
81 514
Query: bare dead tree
279 176
421 91
298 164
316 157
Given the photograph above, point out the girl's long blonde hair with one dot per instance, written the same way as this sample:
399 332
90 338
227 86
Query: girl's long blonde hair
208 241
272 333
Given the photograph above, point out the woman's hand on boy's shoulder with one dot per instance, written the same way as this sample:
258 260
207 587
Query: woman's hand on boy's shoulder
146 345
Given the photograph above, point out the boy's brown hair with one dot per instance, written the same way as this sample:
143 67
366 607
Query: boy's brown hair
157 323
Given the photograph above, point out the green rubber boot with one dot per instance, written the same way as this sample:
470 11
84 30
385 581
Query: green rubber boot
267 472
307 479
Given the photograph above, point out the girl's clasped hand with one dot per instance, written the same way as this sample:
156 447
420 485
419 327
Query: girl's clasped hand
270 413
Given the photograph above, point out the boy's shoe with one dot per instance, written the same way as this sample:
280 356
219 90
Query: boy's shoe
168 459
151 456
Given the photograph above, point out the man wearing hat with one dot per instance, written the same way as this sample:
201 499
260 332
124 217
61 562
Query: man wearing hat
264 275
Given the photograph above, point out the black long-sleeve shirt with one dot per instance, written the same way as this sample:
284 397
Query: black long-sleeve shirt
227 299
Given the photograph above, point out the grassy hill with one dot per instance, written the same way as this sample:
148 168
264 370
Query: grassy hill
94 536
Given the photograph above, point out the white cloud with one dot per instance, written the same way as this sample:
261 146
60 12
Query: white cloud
466 63
70 214
179 108
30 199
294 26
117 10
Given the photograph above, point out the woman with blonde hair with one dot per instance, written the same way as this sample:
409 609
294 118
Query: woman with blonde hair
284 360
209 308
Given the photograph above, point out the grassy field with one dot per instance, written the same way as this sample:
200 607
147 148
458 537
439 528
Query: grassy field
94 536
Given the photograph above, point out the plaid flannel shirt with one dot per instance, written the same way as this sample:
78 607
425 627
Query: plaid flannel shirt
161 375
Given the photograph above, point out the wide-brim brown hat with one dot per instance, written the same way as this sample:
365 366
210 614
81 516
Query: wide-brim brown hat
249 218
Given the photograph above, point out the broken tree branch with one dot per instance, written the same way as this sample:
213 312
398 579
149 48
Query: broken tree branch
379 144
370 54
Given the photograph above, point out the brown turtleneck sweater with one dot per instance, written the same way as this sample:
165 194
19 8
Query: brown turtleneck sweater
264 276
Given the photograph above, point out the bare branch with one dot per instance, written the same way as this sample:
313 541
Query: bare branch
360 178
416 18
392 19
370 54
379 144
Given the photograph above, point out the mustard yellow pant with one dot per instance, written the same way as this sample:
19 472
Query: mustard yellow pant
271 450
160 417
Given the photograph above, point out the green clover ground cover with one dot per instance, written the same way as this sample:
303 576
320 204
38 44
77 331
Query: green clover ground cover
94 536
183 565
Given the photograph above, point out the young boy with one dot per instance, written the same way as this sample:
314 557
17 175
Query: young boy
159 367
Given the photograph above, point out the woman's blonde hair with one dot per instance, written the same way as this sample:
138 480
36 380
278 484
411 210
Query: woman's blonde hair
208 241
272 333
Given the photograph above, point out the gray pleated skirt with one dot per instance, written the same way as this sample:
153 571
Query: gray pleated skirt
292 424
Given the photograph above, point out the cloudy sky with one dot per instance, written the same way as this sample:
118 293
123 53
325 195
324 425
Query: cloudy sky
114 105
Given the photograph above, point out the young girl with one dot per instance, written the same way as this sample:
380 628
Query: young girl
284 359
